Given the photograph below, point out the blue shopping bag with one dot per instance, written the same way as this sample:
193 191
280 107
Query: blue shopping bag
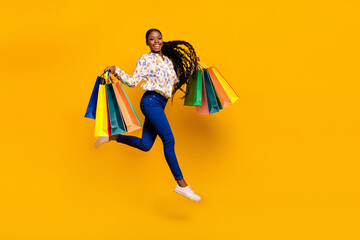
91 109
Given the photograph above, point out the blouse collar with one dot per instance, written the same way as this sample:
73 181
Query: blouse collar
157 55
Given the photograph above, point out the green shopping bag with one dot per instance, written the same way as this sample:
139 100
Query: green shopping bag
194 89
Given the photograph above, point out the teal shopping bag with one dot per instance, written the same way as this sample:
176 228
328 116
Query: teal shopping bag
212 98
115 117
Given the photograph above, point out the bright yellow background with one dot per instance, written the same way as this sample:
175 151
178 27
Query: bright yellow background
281 163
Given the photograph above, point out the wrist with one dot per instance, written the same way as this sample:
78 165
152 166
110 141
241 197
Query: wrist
116 71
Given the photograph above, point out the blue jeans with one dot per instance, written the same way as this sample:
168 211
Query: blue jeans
152 105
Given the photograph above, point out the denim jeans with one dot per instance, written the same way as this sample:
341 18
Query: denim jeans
152 105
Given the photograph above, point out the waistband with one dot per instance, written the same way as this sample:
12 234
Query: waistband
154 92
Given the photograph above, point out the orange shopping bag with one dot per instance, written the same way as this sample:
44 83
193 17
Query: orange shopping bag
130 117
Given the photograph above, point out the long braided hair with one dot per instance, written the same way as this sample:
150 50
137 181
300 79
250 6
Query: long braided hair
183 56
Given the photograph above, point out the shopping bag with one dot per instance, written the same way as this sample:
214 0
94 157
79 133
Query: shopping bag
203 109
211 96
218 92
114 113
226 86
91 108
223 97
108 115
102 127
206 72
115 116
130 117
194 89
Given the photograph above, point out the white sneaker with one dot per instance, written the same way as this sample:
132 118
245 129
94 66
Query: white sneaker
101 140
187 192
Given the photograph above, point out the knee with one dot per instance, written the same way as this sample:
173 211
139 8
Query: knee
146 147
169 141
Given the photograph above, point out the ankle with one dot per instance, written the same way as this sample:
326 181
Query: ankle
181 182
112 138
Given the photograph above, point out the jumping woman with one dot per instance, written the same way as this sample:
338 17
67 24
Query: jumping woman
164 69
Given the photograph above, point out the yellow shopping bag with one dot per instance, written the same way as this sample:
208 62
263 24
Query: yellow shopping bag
102 118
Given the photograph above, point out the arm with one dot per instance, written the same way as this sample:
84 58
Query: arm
140 73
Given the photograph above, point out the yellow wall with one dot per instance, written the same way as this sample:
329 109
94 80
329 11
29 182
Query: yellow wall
280 163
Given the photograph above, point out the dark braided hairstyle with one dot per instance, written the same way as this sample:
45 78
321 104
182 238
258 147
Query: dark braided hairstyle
183 56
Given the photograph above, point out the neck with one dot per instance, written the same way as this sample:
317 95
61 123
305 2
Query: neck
160 53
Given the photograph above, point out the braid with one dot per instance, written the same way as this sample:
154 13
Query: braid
183 59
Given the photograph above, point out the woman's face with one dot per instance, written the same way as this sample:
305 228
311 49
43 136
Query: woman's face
155 41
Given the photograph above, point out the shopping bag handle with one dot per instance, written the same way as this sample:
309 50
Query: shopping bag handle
197 66
103 77
104 73
201 66
106 78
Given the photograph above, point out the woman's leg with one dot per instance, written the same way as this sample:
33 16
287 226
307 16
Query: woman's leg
154 113
145 142
155 123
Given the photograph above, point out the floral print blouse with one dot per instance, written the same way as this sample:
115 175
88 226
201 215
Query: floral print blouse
158 73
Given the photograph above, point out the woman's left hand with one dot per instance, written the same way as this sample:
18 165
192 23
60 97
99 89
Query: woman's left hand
111 69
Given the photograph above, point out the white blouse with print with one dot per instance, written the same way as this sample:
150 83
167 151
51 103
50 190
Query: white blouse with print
158 73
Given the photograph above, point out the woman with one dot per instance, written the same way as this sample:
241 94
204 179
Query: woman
165 69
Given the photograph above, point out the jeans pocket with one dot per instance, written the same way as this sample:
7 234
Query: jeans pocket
146 102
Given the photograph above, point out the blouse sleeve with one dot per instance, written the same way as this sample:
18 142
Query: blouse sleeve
141 72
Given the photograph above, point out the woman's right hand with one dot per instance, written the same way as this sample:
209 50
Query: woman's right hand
111 69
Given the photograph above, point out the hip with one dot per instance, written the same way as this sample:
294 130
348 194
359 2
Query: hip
153 98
